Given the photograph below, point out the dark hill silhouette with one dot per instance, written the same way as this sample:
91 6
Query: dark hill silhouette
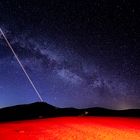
44 110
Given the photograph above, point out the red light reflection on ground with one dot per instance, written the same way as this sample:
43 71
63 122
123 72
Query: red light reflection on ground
72 128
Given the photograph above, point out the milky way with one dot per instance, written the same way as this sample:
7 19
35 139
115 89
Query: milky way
62 76
68 71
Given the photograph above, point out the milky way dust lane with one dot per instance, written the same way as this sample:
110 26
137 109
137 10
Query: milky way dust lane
22 67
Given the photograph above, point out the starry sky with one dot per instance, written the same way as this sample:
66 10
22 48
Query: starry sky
78 53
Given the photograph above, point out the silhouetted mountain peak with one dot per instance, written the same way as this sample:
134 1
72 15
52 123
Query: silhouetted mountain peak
43 109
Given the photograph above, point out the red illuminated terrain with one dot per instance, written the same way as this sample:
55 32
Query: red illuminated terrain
72 128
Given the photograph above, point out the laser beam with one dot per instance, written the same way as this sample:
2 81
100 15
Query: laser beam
22 67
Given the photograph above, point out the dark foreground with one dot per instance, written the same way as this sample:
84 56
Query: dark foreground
44 110
72 128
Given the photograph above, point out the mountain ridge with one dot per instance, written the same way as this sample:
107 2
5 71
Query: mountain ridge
45 110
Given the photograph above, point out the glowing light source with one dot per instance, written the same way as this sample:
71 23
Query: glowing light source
22 67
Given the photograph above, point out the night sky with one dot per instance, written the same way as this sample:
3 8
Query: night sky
78 53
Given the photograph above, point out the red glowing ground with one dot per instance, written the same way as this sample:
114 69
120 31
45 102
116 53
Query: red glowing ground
72 128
